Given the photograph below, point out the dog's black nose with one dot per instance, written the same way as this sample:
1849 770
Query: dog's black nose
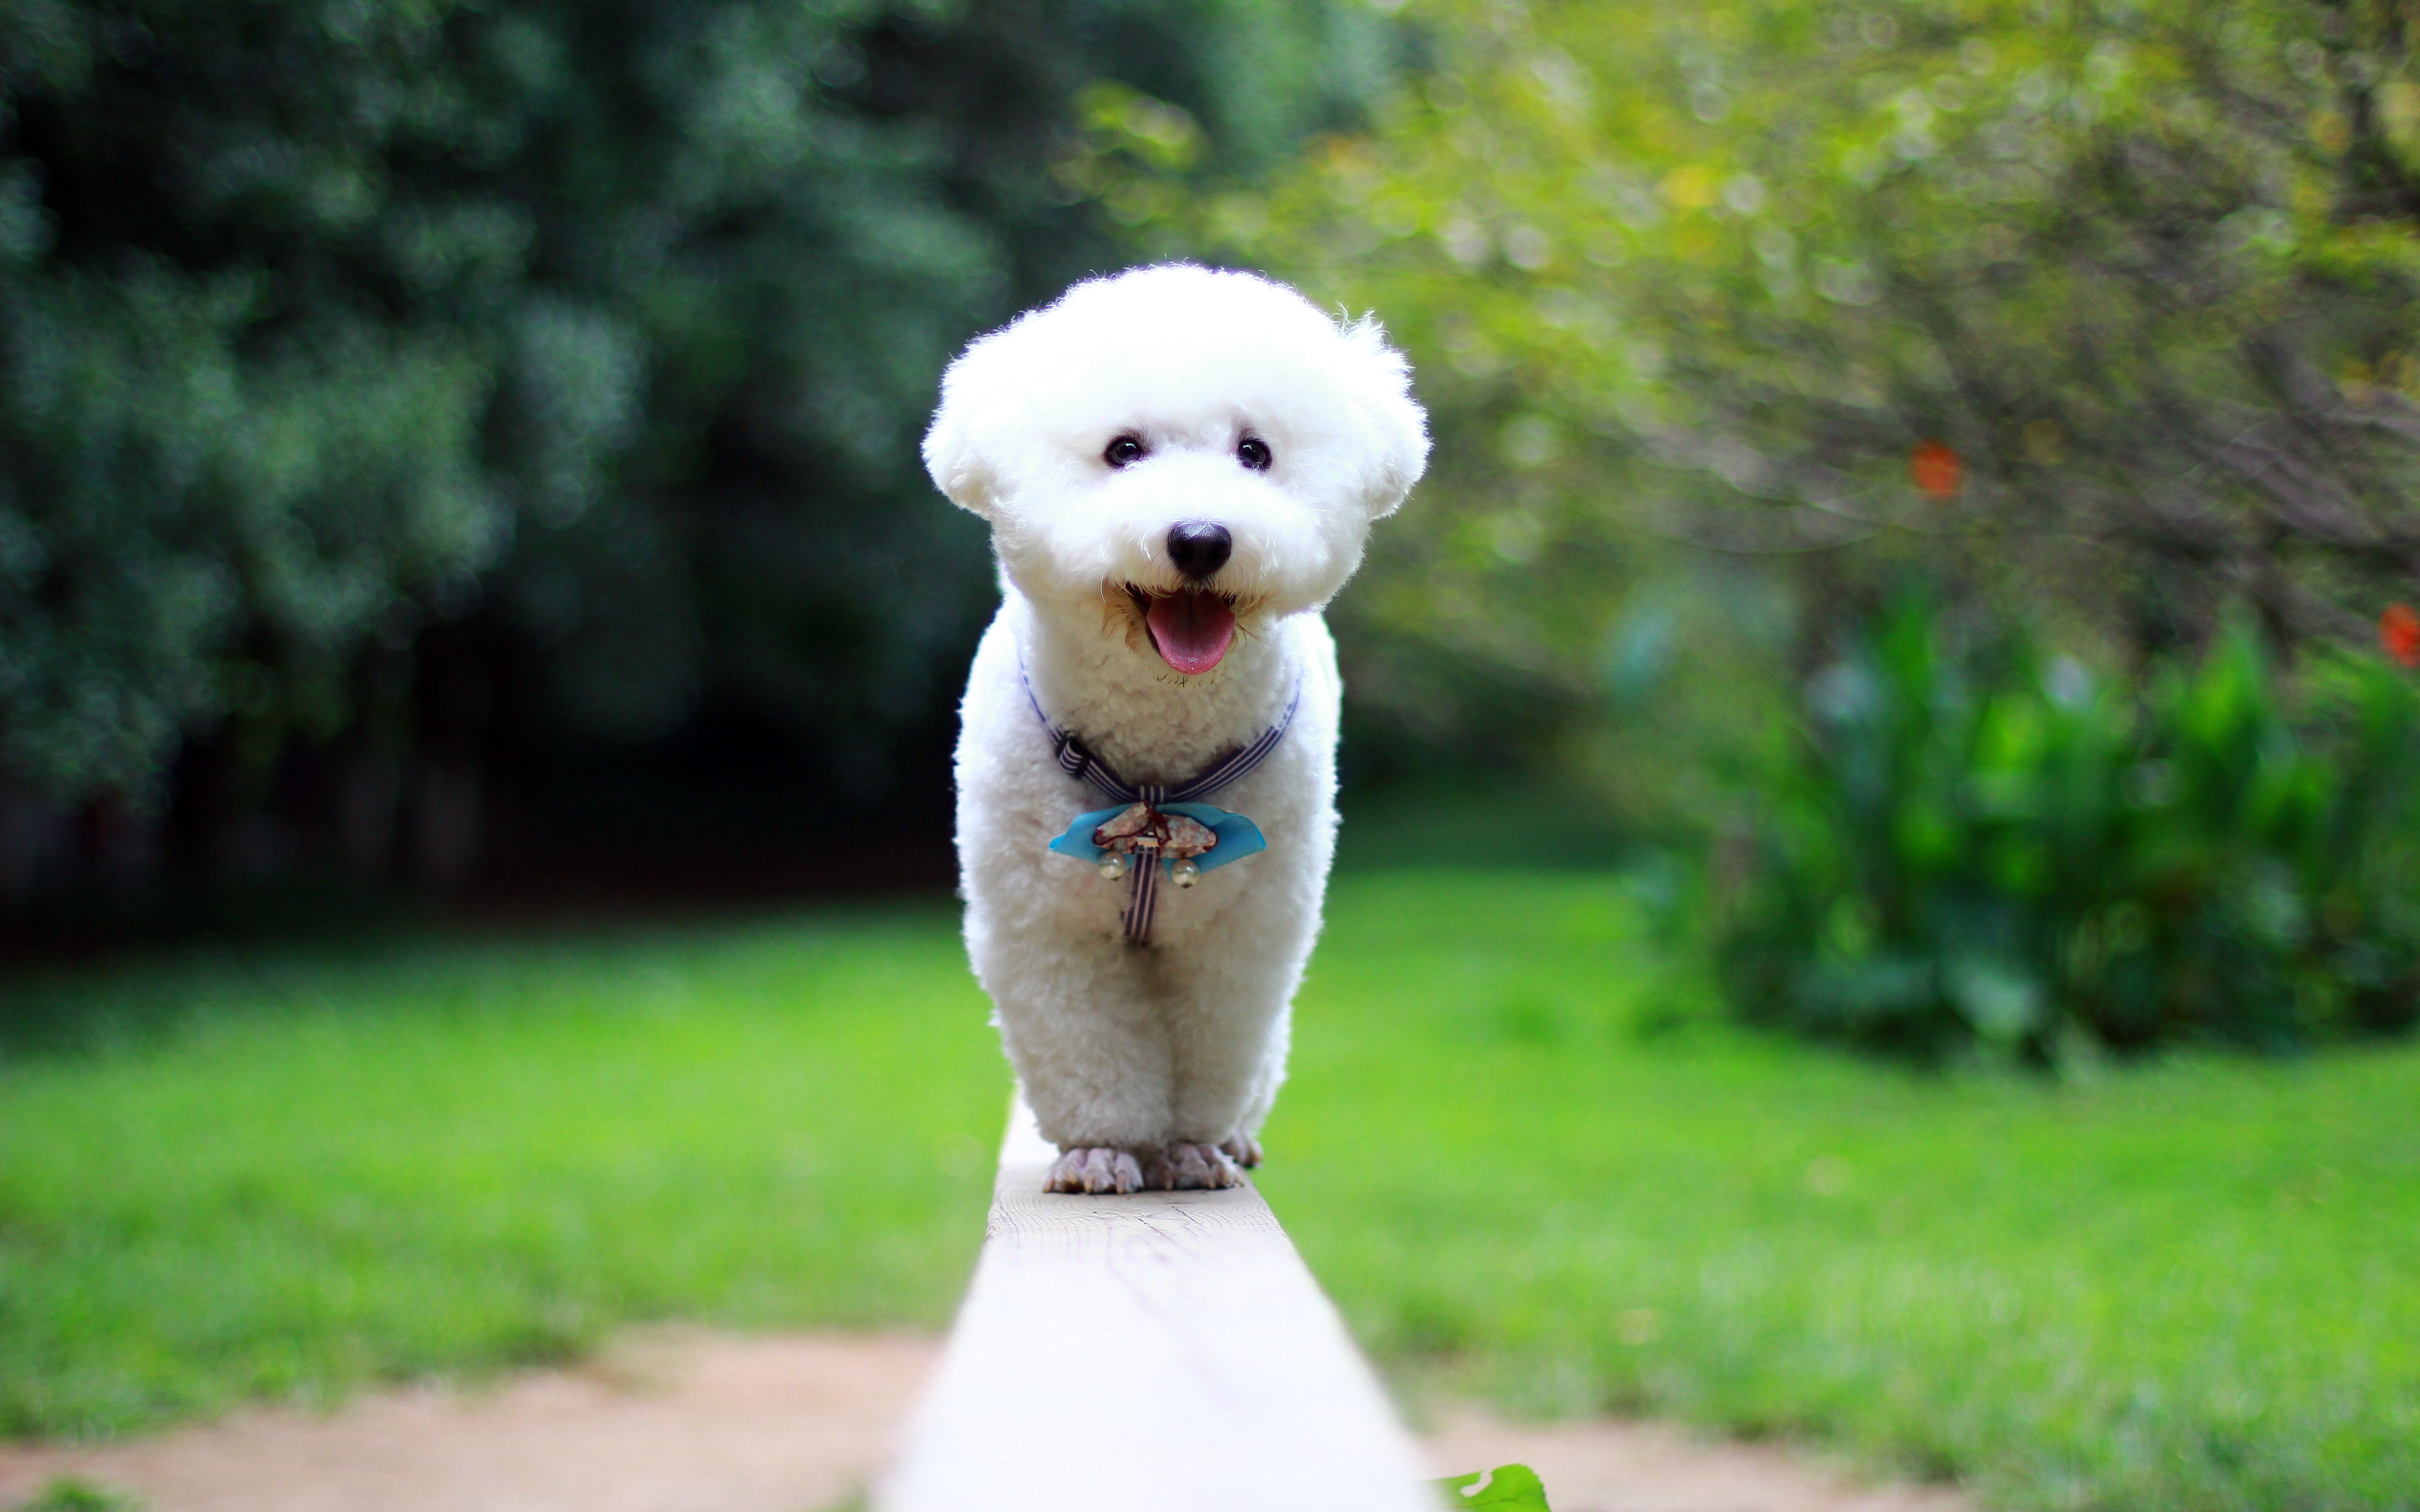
1198 548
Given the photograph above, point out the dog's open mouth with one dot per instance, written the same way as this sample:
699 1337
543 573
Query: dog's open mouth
1191 628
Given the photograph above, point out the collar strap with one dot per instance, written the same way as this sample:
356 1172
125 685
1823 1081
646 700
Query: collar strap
1076 760
1143 874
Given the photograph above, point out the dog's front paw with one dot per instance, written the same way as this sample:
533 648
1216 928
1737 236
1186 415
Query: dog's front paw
1092 1168
1242 1149
1183 1167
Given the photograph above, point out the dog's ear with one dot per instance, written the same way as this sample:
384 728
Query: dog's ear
1399 428
954 453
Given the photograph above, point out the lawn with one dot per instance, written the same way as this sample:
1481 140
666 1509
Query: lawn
289 1175
1516 1147
2195 1285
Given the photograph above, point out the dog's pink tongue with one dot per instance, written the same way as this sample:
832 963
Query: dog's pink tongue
1193 630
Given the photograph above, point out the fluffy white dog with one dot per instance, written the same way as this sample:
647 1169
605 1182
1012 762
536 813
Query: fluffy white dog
1179 468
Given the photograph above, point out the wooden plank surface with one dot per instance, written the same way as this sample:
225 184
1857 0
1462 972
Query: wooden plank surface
1165 1352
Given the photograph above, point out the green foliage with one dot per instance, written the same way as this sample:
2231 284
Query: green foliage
1716 273
1514 1488
610 326
1974 842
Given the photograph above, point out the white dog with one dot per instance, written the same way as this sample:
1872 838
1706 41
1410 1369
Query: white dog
1179 468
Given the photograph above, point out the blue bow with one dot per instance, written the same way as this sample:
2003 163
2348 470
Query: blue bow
1238 837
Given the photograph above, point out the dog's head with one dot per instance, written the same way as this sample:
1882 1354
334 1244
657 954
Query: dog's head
1186 448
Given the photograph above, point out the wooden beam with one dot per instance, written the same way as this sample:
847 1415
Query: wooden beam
1161 1352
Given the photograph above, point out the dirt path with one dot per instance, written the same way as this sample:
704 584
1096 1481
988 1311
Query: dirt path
696 1422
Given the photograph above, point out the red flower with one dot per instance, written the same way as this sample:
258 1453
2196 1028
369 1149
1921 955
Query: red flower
2398 633
1937 470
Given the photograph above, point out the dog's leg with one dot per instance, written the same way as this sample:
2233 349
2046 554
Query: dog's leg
1228 1024
1090 1045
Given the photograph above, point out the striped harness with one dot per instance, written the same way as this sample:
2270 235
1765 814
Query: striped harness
1164 806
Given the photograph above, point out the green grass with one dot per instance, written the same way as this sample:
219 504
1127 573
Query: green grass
287 1176
2195 1285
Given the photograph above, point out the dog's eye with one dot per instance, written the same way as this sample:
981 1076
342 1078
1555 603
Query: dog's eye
1126 449
1254 453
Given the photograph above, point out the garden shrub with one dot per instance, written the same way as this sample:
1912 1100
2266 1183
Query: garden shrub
1971 843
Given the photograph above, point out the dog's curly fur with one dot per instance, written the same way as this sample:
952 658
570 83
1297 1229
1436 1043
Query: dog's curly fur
1155 1065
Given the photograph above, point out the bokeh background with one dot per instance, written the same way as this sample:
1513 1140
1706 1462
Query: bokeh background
1882 865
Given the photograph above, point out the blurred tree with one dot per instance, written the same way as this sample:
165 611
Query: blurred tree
389 378
2110 298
